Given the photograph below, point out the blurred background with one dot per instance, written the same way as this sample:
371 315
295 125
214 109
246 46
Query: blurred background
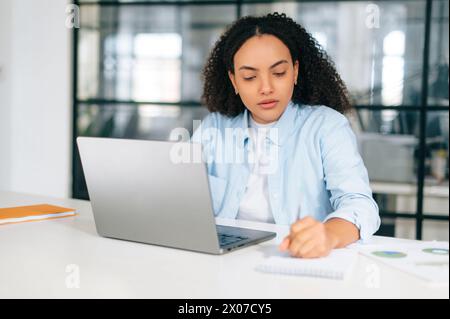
131 69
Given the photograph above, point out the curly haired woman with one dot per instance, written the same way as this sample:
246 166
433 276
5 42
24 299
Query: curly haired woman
268 79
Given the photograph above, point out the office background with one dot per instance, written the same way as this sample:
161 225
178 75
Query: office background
132 70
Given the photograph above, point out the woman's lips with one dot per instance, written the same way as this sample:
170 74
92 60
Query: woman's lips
268 105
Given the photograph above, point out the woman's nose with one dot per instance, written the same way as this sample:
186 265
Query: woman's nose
265 86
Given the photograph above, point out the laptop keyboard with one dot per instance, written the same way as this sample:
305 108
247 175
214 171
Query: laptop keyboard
226 239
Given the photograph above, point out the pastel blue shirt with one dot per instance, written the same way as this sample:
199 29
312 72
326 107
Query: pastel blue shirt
316 170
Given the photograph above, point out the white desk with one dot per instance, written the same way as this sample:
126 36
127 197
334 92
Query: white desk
34 257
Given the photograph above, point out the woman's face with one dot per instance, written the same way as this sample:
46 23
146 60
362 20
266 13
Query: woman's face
264 71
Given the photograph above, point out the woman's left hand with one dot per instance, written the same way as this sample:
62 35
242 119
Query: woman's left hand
309 238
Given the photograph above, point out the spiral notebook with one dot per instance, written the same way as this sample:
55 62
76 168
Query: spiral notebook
337 265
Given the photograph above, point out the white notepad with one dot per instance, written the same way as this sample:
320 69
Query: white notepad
337 265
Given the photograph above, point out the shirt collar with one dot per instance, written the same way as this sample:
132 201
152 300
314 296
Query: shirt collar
283 126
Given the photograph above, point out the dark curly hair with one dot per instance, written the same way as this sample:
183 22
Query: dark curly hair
318 82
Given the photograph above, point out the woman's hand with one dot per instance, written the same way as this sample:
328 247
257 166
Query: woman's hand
309 238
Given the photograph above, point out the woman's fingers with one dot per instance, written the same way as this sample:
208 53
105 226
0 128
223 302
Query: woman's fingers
302 224
307 239
299 226
300 238
285 243
307 250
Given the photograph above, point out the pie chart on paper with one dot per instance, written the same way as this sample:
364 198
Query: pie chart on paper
436 251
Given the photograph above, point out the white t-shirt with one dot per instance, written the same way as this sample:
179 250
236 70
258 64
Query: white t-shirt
255 204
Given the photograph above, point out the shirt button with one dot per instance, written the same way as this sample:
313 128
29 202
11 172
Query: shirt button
275 196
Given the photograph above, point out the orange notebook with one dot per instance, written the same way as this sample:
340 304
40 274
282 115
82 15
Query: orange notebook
21 214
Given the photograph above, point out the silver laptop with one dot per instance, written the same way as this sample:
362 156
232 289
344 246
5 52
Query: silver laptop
139 193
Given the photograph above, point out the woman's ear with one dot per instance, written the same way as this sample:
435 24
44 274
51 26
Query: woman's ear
231 76
296 65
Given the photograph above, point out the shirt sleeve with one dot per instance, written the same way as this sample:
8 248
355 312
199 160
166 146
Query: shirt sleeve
347 179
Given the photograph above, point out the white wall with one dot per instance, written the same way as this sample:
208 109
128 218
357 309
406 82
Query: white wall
5 97
35 115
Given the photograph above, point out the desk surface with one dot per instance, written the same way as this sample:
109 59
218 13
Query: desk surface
37 258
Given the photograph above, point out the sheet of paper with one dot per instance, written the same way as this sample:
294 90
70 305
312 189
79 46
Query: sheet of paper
428 260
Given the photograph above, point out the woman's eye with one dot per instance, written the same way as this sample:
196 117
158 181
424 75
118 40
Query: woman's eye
276 74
